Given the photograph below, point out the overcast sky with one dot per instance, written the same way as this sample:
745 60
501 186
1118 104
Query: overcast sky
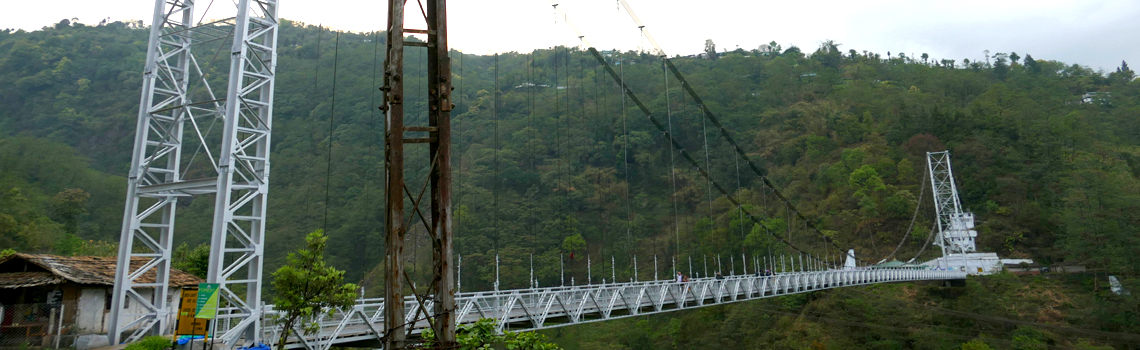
1095 33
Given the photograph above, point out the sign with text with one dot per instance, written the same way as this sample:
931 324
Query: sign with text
187 324
207 305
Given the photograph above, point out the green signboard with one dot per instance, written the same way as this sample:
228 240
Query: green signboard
207 306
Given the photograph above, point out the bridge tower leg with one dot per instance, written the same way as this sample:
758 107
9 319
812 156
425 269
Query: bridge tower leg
176 99
439 153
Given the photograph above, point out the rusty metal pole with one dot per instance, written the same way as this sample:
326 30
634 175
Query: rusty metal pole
439 119
395 334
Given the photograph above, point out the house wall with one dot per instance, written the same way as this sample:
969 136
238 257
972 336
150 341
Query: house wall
94 314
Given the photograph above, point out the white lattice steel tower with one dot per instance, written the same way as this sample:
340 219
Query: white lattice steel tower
955 228
192 144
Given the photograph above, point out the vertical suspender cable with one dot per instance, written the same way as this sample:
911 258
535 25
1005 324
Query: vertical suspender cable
372 125
597 106
672 164
557 125
705 137
313 92
317 72
332 117
740 211
533 153
459 182
566 140
495 163
566 149
625 160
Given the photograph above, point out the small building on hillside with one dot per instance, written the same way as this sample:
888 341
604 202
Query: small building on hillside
42 295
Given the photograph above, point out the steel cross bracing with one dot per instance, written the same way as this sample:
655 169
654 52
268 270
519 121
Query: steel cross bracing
955 233
539 308
227 140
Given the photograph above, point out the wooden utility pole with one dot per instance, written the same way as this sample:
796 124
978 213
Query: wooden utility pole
438 138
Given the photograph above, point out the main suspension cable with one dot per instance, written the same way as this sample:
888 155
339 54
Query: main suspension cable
724 132
913 217
674 143
624 146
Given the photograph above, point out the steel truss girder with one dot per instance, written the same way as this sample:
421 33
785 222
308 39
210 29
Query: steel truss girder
531 309
172 79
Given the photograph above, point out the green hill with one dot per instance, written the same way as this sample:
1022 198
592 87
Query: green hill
558 167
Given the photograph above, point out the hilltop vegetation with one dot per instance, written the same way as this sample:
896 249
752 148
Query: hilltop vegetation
546 166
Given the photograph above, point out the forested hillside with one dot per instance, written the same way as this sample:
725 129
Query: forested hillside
1046 153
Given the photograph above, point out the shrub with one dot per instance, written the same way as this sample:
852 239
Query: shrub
150 343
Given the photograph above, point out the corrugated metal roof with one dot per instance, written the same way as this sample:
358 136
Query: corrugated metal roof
96 270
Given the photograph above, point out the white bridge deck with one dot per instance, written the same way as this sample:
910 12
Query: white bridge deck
531 309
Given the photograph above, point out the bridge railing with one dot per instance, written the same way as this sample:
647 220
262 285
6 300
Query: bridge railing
538 308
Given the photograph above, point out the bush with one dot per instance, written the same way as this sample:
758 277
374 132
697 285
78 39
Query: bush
150 343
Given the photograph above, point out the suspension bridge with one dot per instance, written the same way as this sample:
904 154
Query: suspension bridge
176 97
541 308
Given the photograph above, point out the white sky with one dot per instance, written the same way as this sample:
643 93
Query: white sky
1096 33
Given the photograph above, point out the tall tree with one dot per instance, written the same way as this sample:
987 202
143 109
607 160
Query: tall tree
1032 64
710 49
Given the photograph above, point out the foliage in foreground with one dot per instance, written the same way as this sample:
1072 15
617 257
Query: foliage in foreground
306 287
150 343
482 335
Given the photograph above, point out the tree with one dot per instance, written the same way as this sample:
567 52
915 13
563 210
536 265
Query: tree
194 261
976 344
925 57
1014 58
828 54
483 335
1000 67
574 244
1032 64
307 287
770 49
1123 73
69 206
865 180
710 49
